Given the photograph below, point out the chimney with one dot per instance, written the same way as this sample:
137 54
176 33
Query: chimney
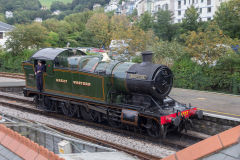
147 56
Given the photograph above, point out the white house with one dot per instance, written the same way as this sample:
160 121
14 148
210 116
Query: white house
163 4
4 28
96 6
145 6
206 8
128 7
112 6
57 12
44 8
8 14
38 19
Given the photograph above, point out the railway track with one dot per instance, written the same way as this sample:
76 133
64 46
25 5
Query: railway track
12 75
174 141
128 150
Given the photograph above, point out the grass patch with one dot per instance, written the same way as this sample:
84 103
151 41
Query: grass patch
49 2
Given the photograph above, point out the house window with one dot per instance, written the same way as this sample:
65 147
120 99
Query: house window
166 6
201 1
200 19
179 4
179 13
185 2
192 1
1 35
209 9
200 10
179 20
209 18
208 2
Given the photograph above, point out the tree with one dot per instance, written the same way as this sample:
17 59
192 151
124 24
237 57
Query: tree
146 21
98 25
80 5
228 18
44 14
163 27
22 17
56 5
78 20
134 36
27 16
119 25
134 16
208 46
13 5
53 39
167 52
139 40
190 20
2 17
27 36
86 39
227 73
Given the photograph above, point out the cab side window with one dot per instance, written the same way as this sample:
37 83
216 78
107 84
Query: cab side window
73 63
61 60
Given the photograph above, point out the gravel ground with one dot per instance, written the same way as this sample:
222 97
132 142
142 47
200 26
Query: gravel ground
154 149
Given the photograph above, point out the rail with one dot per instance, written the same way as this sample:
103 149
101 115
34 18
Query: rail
12 75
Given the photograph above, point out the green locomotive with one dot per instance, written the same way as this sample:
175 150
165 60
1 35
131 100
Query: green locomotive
97 88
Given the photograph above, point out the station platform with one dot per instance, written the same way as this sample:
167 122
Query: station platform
10 82
211 102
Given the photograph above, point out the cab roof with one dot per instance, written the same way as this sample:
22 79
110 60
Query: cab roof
48 53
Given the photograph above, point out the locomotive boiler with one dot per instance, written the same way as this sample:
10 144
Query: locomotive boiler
145 78
99 89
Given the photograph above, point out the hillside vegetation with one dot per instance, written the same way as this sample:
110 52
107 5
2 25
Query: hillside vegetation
48 3
19 5
26 11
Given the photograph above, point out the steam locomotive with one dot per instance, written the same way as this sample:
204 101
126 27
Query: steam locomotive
99 89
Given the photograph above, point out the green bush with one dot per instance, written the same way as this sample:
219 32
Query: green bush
227 72
224 77
167 52
10 63
137 59
188 74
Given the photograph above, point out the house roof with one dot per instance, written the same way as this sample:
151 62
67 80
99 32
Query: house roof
17 147
5 27
222 146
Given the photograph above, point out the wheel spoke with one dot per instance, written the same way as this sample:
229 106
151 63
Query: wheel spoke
154 130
